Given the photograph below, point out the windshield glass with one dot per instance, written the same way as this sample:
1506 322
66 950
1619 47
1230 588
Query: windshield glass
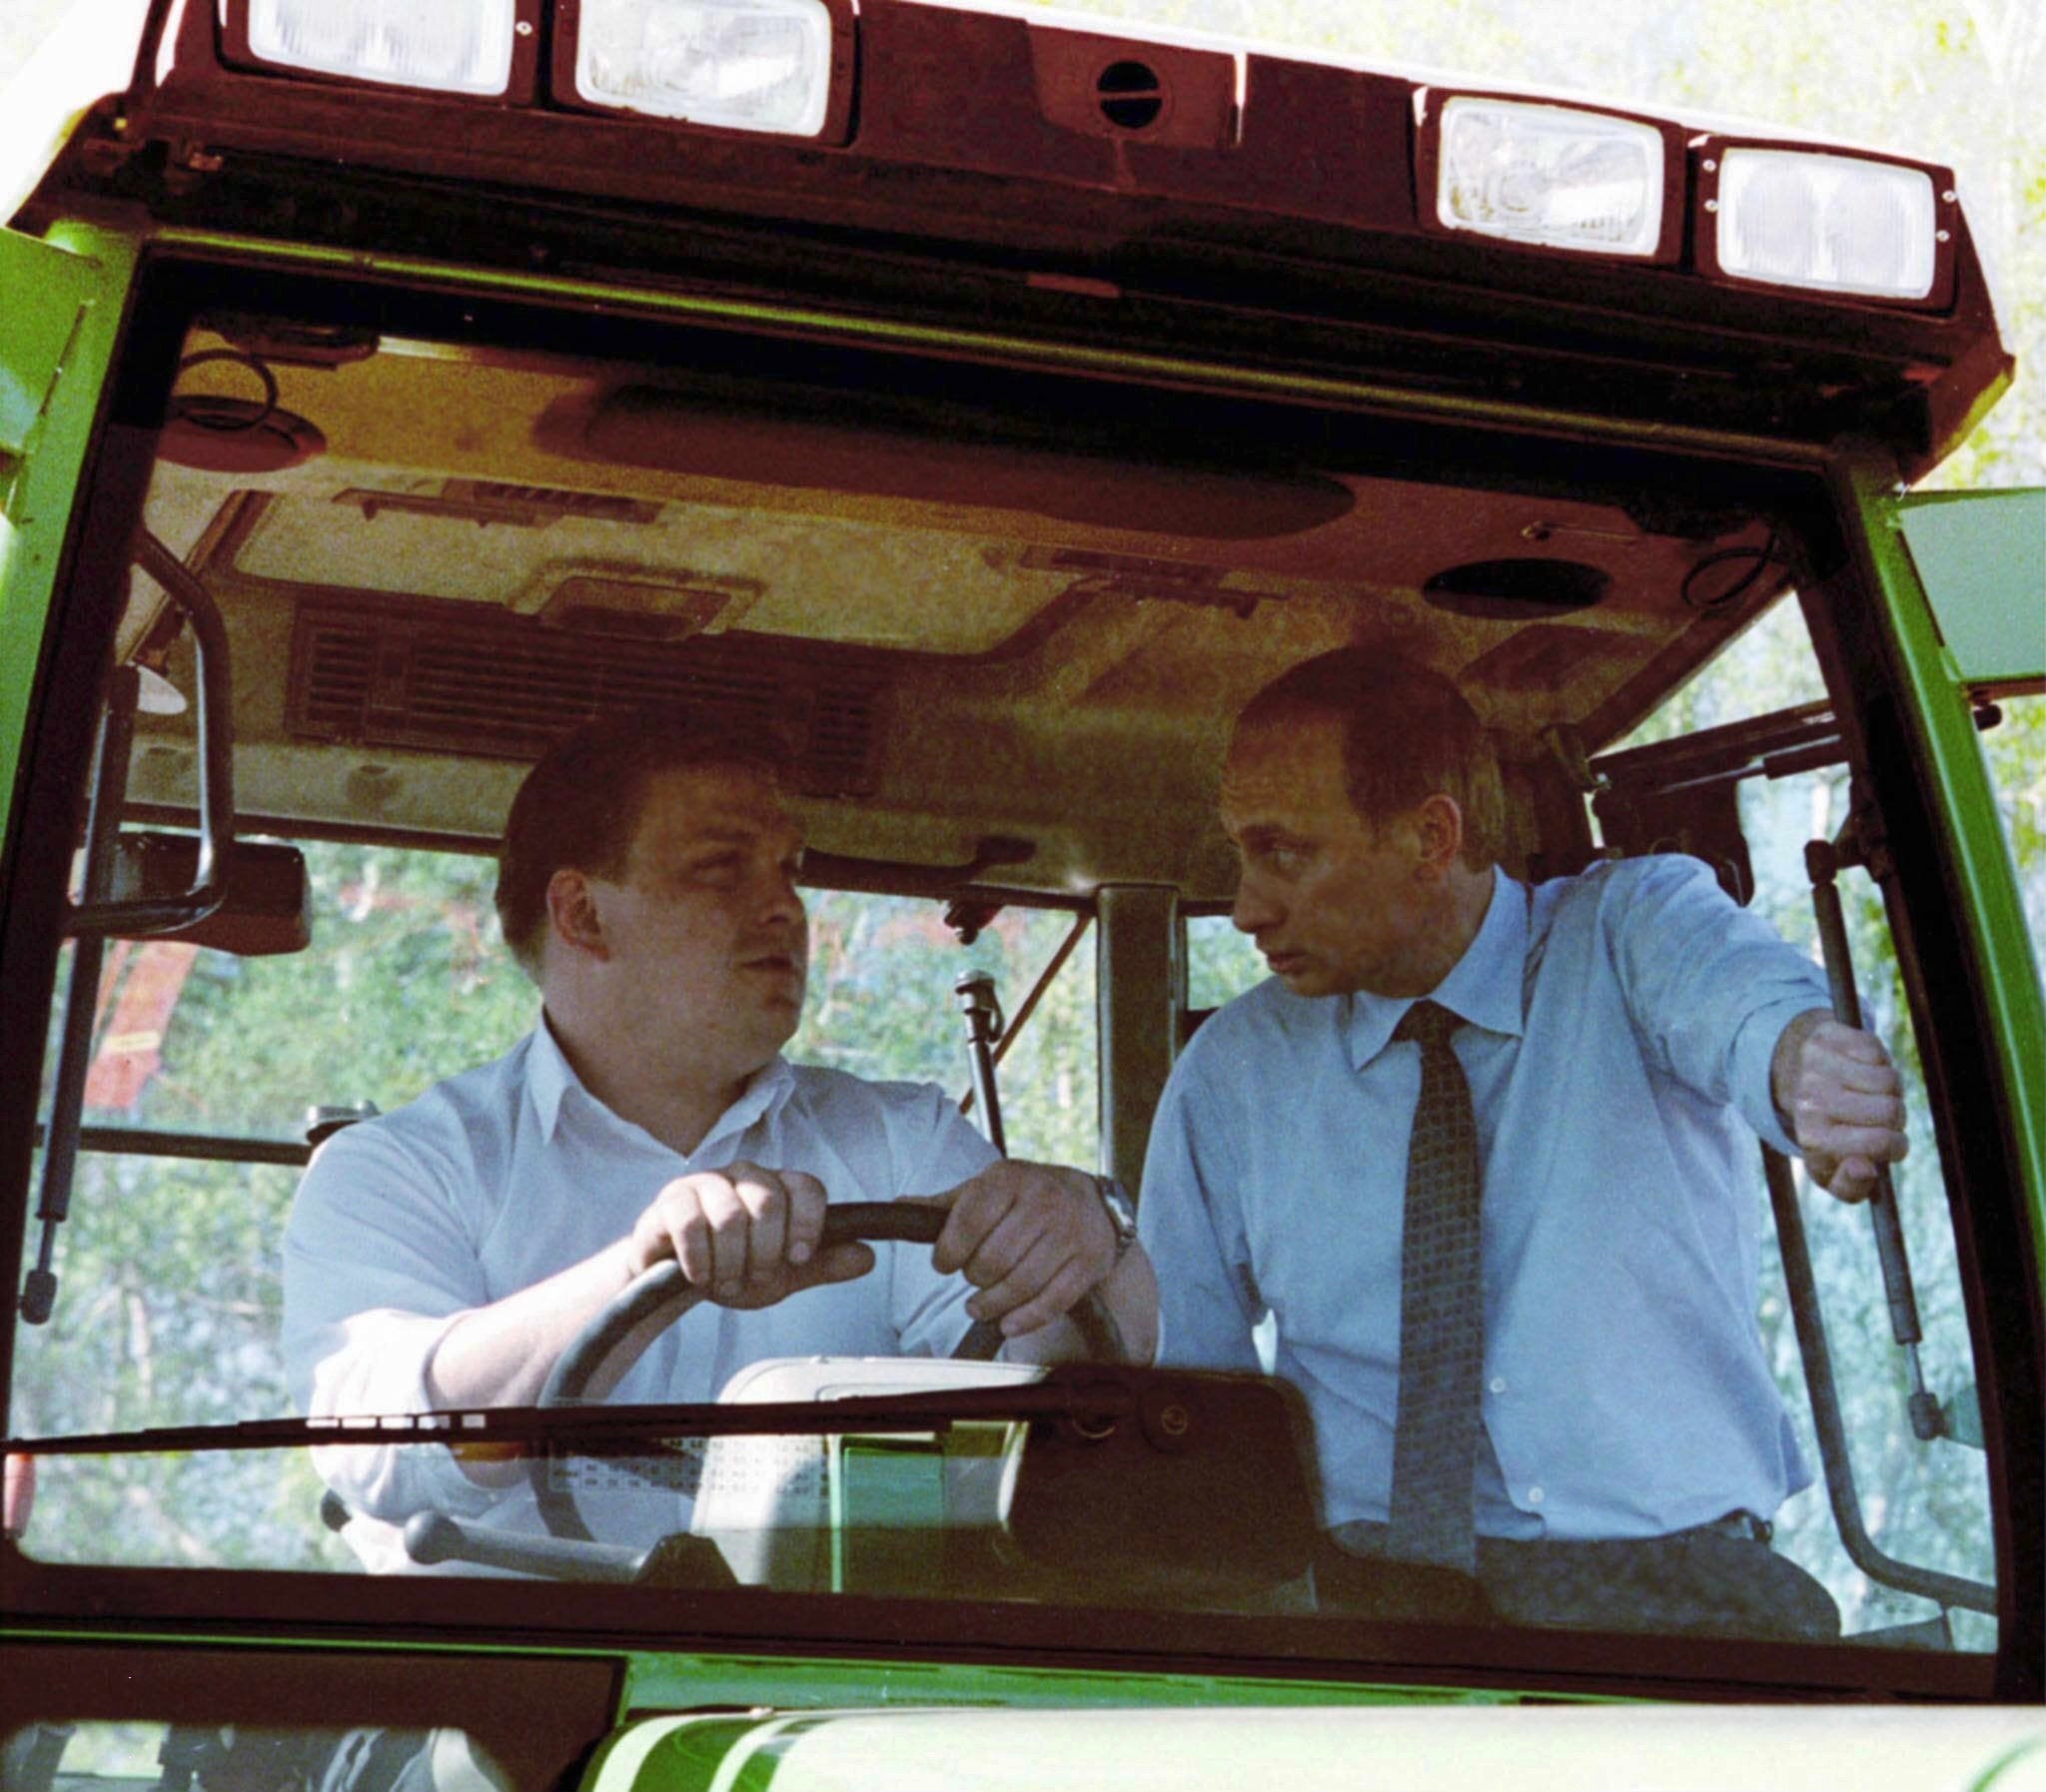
992 698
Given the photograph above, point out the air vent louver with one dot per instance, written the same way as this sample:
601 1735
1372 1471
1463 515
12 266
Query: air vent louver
507 686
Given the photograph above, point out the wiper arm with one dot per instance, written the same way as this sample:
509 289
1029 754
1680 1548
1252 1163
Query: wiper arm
1090 1399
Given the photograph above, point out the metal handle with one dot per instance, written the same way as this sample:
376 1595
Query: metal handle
1822 861
1805 1313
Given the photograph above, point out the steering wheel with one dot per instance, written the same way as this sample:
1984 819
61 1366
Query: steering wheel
663 1295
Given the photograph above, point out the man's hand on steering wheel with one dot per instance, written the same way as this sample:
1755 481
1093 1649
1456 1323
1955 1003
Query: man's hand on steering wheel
1032 1238
745 1235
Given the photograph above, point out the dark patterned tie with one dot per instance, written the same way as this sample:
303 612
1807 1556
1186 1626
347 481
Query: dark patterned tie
1441 1311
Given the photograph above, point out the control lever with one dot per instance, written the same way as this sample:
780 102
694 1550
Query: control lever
434 1537
976 993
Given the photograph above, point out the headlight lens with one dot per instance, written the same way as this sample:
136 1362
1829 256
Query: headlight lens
448 46
1549 175
749 65
1836 223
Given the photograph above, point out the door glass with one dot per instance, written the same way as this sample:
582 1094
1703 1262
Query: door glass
2016 751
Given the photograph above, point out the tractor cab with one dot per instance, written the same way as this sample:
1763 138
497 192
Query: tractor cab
986 407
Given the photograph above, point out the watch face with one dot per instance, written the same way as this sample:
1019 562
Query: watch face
1121 1210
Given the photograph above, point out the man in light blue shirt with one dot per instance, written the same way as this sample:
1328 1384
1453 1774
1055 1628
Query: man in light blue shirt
1625 1034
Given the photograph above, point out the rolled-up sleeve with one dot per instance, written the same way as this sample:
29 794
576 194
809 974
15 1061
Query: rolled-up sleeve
1712 986
378 1266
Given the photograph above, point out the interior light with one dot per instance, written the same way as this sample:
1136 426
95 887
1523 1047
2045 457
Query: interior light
1549 175
749 65
1836 223
448 46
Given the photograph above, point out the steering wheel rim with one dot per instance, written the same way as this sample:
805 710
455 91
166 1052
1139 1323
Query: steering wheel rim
664 1287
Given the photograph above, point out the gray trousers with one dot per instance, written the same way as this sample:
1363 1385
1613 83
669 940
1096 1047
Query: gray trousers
1720 1580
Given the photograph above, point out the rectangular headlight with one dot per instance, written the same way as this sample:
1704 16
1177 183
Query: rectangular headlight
1825 222
440 46
774 66
1554 176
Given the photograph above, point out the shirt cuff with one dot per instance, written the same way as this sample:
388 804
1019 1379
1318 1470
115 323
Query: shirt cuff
1755 1051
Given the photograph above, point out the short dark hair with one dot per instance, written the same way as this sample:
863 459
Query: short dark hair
580 804
1408 734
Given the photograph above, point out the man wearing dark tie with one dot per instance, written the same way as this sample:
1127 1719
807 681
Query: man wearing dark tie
1480 1155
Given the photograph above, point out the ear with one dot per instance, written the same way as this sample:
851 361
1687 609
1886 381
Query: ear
1438 834
575 918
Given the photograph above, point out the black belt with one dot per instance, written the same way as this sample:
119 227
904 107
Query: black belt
1365 1537
1745 1525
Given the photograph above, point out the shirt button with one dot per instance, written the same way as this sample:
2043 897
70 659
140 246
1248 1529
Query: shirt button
1536 1495
1498 1383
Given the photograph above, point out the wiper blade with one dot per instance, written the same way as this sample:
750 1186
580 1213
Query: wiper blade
1088 1399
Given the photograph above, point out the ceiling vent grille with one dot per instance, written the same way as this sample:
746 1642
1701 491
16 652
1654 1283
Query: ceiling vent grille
487 502
506 687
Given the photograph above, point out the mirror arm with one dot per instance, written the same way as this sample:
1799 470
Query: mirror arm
134 920
95 917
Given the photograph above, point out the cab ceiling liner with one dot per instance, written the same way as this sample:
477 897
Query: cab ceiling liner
682 431
509 686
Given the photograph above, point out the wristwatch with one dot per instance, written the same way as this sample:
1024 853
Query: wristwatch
1122 1212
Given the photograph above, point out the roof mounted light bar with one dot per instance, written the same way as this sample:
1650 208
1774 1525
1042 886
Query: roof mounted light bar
764 66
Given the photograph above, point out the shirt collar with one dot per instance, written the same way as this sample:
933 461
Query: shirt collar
767 1089
1482 988
550 1077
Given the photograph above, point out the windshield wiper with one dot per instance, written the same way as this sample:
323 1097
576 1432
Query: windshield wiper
1088 1397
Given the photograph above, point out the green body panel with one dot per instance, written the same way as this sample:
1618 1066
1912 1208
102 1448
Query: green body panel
660 1682
1784 1749
1992 915
1981 556
684 1755
65 299
48 294
697 1752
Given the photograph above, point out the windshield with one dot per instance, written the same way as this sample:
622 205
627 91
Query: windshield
1002 663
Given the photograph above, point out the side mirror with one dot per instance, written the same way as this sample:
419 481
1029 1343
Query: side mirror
265 908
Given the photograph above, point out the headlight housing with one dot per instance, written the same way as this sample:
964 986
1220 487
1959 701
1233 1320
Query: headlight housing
1551 176
773 67
480 48
1782 214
